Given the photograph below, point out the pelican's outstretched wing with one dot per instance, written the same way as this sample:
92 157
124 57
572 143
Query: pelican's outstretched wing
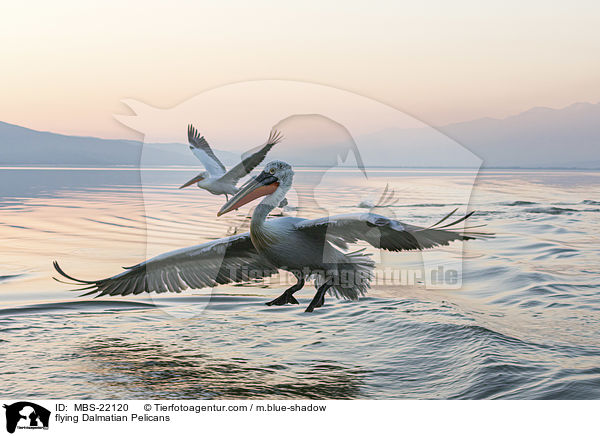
204 153
252 160
386 233
226 260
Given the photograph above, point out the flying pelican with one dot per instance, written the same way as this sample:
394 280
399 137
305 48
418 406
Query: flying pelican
216 179
305 247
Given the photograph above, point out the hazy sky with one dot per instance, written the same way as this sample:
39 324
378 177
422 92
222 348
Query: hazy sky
66 64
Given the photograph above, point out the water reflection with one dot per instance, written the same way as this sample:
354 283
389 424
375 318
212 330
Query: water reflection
156 370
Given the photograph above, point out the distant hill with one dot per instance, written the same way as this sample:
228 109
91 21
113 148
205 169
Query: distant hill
22 146
538 138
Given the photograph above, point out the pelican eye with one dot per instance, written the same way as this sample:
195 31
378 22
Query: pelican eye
272 171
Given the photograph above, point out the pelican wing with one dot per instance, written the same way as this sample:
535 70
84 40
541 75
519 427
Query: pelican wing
227 260
251 160
204 153
386 233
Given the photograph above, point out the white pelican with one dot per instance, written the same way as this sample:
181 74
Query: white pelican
305 247
216 179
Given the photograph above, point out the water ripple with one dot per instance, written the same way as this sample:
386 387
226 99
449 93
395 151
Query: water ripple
524 324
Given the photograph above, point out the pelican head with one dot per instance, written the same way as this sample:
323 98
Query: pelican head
197 179
274 182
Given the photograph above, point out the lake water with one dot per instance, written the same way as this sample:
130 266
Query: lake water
525 323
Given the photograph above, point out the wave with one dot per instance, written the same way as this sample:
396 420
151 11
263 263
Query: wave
78 306
431 205
591 202
369 204
519 203
10 277
214 301
552 210
488 212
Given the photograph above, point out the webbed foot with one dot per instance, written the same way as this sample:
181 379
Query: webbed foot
282 300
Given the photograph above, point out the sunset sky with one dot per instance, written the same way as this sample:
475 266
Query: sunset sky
66 65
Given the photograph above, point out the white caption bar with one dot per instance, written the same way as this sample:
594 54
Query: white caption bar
270 417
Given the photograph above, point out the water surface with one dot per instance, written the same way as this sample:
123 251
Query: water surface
524 324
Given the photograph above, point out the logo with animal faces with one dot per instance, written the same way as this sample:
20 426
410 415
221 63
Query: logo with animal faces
25 415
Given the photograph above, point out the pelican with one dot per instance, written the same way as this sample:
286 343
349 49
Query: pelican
308 248
216 179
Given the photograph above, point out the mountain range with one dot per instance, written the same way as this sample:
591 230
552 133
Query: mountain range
538 138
